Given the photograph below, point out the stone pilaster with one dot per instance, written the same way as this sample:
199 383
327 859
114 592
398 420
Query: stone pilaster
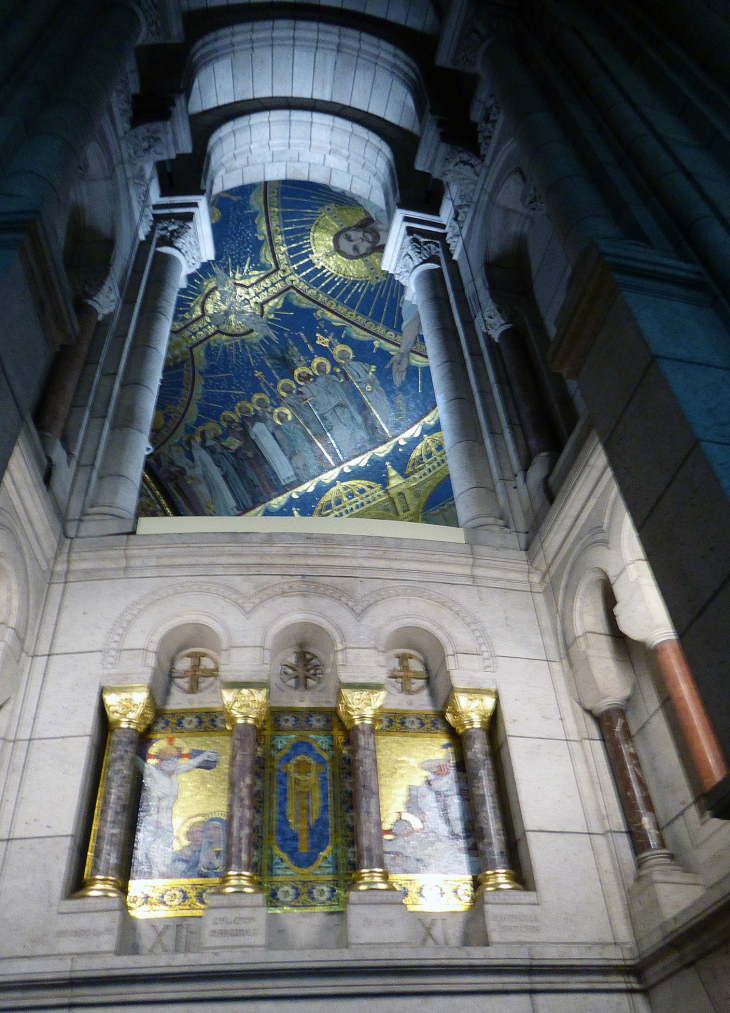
129 710
358 707
245 707
469 711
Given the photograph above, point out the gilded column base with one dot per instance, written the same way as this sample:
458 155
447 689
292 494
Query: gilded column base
101 886
371 879
238 882
497 879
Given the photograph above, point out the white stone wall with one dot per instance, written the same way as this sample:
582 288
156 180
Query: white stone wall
417 14
296 144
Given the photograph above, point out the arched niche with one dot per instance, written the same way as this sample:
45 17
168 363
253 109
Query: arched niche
429 655
303 665
180 650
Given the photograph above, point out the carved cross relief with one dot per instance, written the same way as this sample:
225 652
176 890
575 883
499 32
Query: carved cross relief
412 680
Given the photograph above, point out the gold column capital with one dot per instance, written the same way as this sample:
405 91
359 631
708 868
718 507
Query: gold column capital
128 706
359 704
470 708
245 703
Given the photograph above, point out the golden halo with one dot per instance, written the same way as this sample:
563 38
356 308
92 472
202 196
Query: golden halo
260 399
168 746
343 353
244 408
181 834
302 374
320 360
228 417
286 387
331 220
281 413
211 428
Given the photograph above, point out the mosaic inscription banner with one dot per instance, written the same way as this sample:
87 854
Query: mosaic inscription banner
430 851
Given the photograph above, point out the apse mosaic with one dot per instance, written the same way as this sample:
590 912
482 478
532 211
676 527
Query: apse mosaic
296 381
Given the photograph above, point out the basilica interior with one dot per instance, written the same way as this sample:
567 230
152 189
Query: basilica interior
365 506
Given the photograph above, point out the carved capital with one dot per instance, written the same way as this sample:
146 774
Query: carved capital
416 251
245 704
181 235
105 298
470 708
359 705
128 706
161 20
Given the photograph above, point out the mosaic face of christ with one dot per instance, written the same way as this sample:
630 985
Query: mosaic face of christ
360 240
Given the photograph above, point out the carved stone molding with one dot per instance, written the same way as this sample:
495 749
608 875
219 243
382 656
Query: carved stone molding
461 175
161 20
487 124
470 708
359 705
184 224
245 704
128 707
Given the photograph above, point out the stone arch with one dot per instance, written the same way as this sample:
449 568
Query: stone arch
299 144
133 639
418 15
308 631
427 641
304 60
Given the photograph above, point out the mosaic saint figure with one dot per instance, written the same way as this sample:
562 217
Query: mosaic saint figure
219 495
360 240
378 414
296 444
213 848
250 461
153 853
226 465
329 399
263 435
186 862
177 471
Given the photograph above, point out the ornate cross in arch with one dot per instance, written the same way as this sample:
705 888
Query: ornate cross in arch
409 678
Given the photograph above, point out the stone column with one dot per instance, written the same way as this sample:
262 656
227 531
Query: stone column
469 711
358 708
129 710
60 388
537 426
178 250
414 253
245 708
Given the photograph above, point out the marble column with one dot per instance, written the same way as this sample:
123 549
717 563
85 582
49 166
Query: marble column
537 426
414 254
179 250
358 708
708 757
245 708
469 711
129 710
646 837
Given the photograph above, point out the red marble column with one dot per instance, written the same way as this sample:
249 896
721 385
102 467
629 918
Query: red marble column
707 755
245 708
129 710
646 837
358 709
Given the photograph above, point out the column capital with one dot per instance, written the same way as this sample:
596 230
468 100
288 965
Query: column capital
245 703
470 708
128 706
183 227
359 704
414 241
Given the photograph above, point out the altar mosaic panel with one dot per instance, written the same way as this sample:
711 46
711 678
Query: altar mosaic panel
308 846
430 852
289 387
179 849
